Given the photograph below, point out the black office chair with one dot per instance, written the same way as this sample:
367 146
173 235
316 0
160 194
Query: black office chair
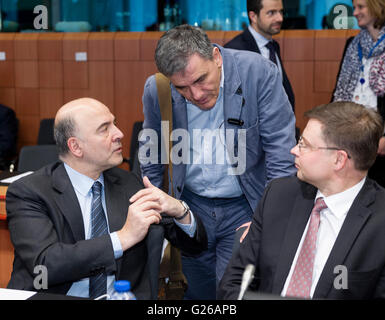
45 135
134 147
32 158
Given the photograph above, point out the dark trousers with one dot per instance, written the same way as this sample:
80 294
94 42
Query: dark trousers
221 217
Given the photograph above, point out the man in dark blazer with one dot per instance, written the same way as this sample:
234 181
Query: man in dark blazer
265 17
8 135
347 260
51 213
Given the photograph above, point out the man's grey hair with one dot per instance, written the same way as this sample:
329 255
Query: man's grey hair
177 45
63 130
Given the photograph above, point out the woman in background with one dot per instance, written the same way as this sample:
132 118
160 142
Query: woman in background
361 78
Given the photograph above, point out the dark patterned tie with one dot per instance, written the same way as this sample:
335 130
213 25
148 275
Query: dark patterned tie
272 52
302 277
98 283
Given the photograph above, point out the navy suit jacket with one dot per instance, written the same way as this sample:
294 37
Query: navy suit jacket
276 231
246 41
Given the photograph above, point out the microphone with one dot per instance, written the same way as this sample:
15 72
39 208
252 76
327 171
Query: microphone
236 122
247 277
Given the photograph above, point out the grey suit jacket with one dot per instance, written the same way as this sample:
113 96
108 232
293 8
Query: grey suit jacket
276 231
253 93
46 228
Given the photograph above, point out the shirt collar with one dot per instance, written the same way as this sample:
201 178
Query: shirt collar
261 40
340 203
81 182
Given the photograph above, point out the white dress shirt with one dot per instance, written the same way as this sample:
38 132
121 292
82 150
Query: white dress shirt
331 221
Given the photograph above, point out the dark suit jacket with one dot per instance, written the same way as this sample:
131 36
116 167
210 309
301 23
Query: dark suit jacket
246 41
277 228
46 228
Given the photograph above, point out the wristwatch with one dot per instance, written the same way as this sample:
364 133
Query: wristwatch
186 210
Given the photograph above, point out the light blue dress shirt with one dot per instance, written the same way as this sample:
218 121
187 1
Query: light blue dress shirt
207 170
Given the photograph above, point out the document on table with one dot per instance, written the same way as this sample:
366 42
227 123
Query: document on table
14 178
11 294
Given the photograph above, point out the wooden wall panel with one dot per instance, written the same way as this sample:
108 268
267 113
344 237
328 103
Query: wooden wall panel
26 74
50 102
50 46
325 75
127 46
25 46
230 35
101 82
301 75
8 97
299 45
50 74
74 42
7 72
329 44
101 46
28 129
75 74
148 43
216 37
27 101
130 77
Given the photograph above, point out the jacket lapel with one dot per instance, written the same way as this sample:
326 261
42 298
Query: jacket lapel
67 202
297 222
249 41
355 220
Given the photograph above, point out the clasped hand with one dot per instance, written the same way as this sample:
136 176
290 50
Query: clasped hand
144 210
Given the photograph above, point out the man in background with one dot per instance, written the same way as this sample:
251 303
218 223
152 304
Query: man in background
265 18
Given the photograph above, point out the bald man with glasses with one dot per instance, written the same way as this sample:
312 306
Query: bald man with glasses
320 235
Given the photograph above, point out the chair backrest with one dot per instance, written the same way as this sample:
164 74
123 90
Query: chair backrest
46 131
32 158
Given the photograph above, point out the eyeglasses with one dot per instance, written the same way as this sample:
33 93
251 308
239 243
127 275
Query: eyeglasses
307 148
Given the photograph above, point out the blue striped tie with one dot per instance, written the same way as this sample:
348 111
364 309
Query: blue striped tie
98 283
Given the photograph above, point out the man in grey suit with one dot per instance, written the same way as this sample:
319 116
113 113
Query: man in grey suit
232 134
320 235
85 221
